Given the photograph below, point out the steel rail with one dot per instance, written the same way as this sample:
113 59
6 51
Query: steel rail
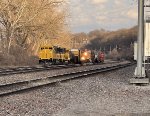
19 70
16 87
32 69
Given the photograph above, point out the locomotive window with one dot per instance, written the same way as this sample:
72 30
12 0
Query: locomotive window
57 49
61 50
46 48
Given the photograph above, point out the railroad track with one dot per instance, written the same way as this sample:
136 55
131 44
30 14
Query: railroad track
16 87
19 70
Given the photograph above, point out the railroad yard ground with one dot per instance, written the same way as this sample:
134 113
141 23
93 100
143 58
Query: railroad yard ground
98 95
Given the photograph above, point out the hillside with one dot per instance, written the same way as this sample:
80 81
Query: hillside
121 38
119 41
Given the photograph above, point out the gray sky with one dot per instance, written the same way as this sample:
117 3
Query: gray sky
87 15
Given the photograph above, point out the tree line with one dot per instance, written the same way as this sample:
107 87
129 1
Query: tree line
25 24
115 44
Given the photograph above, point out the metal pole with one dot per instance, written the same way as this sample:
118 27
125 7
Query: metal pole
140 38
139 75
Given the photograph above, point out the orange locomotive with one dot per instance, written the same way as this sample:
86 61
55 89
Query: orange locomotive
82 56
87 56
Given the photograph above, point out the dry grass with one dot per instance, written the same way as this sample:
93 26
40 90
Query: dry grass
17 57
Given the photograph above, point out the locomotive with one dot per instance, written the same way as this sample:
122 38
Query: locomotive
99 57
55 55
82 56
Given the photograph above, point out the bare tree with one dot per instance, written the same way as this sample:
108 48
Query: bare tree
27 21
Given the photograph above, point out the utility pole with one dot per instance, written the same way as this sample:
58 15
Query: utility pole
110 49
100 49
140 75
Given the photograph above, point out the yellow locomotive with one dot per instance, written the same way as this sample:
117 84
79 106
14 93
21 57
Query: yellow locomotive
53 54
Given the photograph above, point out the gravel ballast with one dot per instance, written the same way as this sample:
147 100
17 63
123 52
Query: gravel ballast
99 95
44 74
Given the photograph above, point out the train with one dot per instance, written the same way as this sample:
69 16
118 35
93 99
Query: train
59 55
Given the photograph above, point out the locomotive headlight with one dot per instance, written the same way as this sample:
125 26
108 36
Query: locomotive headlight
82 58
85 53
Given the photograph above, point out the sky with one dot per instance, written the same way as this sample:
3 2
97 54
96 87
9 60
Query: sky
88 15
